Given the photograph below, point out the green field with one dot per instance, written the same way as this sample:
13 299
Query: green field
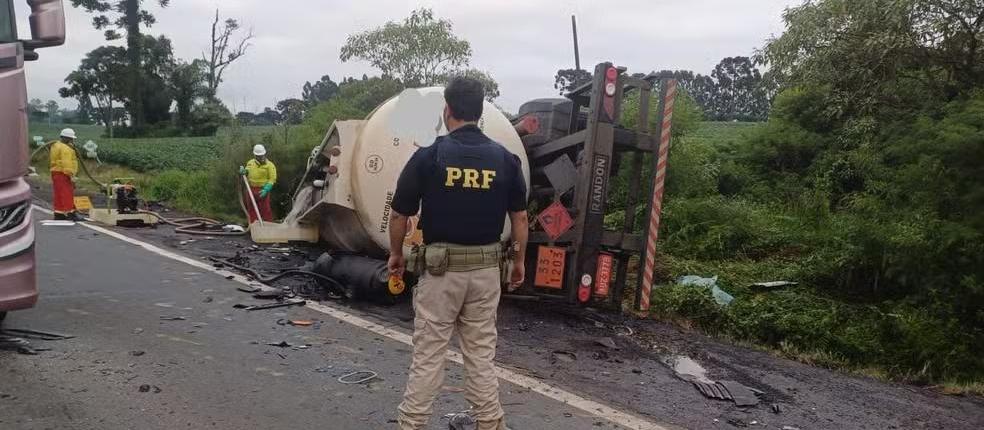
147 154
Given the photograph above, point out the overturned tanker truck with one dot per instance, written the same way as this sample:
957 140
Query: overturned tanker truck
570 149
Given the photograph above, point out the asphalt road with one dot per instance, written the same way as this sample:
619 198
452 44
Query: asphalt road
211 368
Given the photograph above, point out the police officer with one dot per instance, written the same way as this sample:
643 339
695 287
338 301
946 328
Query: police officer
464 185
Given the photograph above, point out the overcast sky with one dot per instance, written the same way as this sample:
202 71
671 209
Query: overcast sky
521 43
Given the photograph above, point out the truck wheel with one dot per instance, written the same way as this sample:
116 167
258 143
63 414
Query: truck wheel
2 316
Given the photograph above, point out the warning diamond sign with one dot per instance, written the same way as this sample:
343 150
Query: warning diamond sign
555 220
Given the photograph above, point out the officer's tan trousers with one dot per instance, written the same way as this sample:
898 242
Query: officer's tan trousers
465 302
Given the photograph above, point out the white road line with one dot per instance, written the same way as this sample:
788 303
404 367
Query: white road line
587 405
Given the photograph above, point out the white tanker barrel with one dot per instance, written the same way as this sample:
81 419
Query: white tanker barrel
353 208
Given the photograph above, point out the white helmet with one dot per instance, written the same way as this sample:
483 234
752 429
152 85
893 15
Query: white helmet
259 150
69 133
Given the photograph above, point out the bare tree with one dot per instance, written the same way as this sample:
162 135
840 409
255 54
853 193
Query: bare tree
222 51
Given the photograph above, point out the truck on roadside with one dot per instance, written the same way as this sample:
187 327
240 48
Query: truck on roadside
18 279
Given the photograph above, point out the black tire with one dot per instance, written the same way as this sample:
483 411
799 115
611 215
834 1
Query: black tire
3 314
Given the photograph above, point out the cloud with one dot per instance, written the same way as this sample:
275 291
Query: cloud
521 43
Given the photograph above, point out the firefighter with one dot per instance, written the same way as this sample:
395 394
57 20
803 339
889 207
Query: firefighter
261 175
464 185
64 170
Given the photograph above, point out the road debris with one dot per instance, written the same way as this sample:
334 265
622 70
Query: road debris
720 296
729 390
137 353
607 342
34 334
173 318
301 323
773 285
461 421
623 330
742 395
737 422
565 356
271 305
358 377
248 288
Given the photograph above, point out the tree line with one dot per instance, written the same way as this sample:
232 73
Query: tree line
734 91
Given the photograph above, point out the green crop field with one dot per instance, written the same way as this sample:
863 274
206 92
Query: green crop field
721 134
146 154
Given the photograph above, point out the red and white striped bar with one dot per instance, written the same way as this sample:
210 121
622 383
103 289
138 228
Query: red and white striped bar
666 129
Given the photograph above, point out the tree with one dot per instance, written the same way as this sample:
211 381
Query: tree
52 108
268 117
898 53
367 93
420 51
97 78
157 68
320 91
131 16
36 110
223 51
567 80
291 111
187 85
488 83
247 118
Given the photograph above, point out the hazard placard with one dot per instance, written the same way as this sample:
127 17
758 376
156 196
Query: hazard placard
82 203
555 220
550 262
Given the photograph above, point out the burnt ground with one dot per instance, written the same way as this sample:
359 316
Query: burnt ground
559 344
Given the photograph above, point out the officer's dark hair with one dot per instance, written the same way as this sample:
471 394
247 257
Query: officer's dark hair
465 97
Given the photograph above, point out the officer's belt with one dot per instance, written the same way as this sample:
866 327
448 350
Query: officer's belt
461 258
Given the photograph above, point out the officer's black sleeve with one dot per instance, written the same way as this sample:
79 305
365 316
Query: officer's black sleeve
410 186
517 185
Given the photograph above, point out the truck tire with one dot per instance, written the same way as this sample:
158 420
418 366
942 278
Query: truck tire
3 314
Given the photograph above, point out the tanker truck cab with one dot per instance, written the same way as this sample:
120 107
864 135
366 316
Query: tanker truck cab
18 281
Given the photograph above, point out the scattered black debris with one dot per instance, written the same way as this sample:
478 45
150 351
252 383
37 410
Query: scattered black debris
607 342
208 299
137 353
776 409
282 344
737 422
271 306
173 318
144 388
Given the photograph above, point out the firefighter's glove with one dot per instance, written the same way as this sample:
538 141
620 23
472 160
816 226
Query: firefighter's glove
242 171
265 190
